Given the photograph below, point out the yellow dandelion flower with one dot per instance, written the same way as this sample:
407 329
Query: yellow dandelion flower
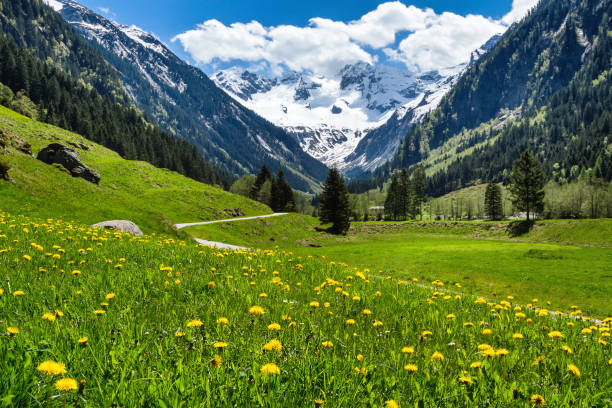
586 330
484 346
12 331
517 336
270 369
327 344
220 345
426 333
194 323
314 304
476 364
256 310
50 367
274 327
466 380
222 320
109 296
216 361
49 317
487 331
366 312
450 316
538 360
66 384
555 334
567 349
377 323
488 353
437 356
411 368
408 350
27 257
350 321
468 324
99 312
574 370
538 400
76 272
359 357
501 352
273 345
292 324
18 293
263 295
179 334
391 404
83 341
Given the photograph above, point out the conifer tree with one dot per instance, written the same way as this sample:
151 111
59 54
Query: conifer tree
527 184
392 200
263 176
334 205
493 202
418 190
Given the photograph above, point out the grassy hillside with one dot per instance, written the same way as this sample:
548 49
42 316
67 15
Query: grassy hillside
153 198
80 320
564 262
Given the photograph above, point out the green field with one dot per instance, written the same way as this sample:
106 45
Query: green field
564 262
153 198
98 319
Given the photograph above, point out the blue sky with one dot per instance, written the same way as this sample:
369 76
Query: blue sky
237 43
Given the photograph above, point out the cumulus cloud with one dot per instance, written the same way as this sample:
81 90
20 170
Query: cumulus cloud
431 41
519 10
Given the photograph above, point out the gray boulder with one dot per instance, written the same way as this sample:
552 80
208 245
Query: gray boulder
121 225
68 158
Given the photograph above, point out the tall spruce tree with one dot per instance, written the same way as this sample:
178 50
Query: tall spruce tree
418 190
527 184
393 199
282 195
405 191
263 176
334 205
493 202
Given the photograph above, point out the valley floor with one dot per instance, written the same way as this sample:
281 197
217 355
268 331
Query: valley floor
565 263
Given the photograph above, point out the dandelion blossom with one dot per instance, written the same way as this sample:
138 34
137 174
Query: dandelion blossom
538 400
220 345
366 312
270 369
274 327
99 312
273 345
216 361
49 317
314 304
222 320
52 368
377 323
350 321
194 323
487 332
466 380
12 331
391 404
555 334
18 293
256 310
574 370
567 349
66 384
327 344
437 356
109 296
476 364
411 368
408 350
517 336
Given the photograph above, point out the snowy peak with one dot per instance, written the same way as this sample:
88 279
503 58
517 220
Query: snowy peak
243 83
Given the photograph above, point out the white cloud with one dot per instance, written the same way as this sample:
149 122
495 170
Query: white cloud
433 41
519 10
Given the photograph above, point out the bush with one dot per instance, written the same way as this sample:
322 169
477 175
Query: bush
4 168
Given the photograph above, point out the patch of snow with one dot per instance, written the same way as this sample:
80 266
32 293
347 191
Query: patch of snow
54 4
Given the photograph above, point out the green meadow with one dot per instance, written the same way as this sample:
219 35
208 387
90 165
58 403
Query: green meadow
565 263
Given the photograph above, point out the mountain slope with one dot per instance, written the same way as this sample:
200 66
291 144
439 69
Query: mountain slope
183 100
330 116
529 67
153 198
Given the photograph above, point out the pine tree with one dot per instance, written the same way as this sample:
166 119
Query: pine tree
418 190
392 200
334 205
527 184
493 202
263 176
405 194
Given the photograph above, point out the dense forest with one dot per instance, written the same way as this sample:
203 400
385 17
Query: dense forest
552 71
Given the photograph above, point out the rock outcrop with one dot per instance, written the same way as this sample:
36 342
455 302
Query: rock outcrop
120 225
68 158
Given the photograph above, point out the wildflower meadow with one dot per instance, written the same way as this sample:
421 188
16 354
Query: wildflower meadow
98 318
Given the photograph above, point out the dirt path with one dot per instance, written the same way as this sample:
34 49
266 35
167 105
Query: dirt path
223 245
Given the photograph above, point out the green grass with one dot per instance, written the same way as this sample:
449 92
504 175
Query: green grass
133 356
153 198
564 262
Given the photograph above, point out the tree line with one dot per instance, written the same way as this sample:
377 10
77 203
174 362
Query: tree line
406 195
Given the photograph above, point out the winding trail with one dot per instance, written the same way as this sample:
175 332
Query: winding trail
223 245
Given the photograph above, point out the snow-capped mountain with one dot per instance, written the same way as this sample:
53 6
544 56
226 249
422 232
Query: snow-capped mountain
183 100
355 119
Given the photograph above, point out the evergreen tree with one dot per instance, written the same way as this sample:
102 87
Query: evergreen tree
405 190
263 176
334 205
392 200
281 194
493 202
418 190
527 184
